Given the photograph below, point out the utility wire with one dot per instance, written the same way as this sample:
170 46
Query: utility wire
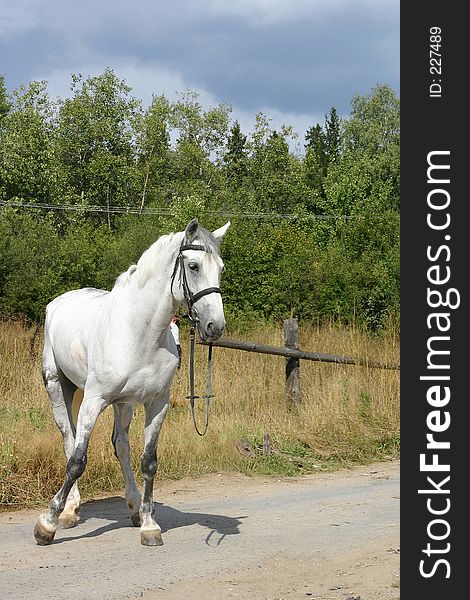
164 212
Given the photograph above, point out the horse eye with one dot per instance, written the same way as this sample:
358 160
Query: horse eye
194 267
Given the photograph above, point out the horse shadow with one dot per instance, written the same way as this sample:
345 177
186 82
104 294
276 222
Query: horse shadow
115 510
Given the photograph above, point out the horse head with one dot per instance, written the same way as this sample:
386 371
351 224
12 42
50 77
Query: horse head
200 266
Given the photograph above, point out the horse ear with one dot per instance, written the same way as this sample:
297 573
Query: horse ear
191 230
219 233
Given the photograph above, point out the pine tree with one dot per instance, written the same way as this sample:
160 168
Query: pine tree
315 163
235 159
332 136
323 147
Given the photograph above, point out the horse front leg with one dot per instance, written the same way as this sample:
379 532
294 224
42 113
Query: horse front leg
155 411
47 524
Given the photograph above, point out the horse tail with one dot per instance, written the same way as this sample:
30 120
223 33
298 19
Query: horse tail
114 437
76 403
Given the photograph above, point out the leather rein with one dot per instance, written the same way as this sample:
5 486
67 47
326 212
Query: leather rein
191 300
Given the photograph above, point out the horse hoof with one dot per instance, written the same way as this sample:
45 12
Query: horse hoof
43 532
151 537
67 521
136 520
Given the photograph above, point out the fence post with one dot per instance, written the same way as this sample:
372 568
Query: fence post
291 340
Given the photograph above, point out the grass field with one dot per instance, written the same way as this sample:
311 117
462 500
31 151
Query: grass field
348 415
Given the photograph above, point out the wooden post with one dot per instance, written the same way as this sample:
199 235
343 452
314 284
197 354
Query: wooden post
291 340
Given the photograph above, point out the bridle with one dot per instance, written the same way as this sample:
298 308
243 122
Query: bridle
191 300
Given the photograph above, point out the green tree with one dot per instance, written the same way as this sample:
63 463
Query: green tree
5 106
201 137
95 142
236 155
28 263
205 128
275 173
366 177
362 185
374 124
323 147
315 141
5 102
315 162
332 137
26 144
153 151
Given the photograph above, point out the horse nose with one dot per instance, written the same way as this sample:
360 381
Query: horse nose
215 330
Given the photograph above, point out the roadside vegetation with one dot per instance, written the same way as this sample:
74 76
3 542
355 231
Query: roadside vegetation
348 415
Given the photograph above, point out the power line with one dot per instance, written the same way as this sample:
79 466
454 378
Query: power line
166 212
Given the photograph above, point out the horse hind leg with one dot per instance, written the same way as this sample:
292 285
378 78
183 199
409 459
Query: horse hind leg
71 512
123 414
47 524
64 397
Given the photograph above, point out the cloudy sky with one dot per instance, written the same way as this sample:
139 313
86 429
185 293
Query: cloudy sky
290 59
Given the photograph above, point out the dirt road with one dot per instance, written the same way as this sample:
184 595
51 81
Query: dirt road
325 537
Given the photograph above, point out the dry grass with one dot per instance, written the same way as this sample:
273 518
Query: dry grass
348 415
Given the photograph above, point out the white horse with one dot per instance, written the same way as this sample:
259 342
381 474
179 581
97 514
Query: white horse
118 348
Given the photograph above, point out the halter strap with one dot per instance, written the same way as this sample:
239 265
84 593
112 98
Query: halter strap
184 247
198 295
192 395
190 298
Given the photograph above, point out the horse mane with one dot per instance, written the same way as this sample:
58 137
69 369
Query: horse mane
151 257
145 266
125 277
205 237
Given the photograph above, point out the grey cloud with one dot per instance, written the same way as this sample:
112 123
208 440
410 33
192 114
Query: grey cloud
296 63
